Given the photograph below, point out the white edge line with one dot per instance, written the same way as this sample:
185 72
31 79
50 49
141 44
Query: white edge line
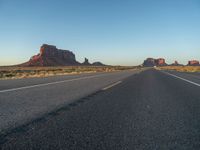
112 85
182 79
51 83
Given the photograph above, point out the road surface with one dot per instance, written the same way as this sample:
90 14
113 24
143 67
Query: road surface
151 110
23 100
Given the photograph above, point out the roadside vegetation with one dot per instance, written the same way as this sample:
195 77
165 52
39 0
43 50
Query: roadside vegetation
33 72
182 68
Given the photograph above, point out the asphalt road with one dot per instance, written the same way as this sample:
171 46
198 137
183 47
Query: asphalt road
24 100
194 77
152 110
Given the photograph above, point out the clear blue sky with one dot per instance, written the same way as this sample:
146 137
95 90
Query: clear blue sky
117 32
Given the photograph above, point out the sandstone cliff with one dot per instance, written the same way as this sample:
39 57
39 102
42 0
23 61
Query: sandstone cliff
193 63
150 62
51 56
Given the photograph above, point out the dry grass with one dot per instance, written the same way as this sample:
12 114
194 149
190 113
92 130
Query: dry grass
33 72
182 68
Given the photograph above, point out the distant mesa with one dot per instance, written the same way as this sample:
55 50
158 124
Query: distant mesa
176 64
51 56
193 63
150 62
160 62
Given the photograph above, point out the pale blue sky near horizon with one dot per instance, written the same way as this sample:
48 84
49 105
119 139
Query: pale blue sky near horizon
115 32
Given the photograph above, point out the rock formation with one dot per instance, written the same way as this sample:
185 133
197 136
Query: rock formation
150 62
86 62
193 63
160 62
51 56
176 64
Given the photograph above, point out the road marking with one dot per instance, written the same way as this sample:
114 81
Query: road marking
51 83
183 79
112 85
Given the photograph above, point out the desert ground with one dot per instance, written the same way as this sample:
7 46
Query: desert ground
182 68
34 72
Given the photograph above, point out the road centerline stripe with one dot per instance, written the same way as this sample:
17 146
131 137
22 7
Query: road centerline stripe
183 79
112 85
50 83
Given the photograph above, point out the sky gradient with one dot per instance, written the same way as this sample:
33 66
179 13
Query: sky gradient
116 32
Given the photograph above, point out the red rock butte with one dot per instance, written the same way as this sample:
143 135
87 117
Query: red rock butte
193 63
150 62
160 61
51 56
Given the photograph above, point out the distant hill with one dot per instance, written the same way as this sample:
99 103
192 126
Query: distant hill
98 64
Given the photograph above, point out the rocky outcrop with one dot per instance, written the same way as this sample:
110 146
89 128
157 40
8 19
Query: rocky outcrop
193 63
160 62
51 56
150 62
86 62
176 64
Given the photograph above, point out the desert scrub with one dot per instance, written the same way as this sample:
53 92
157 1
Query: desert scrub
33 72
182 68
